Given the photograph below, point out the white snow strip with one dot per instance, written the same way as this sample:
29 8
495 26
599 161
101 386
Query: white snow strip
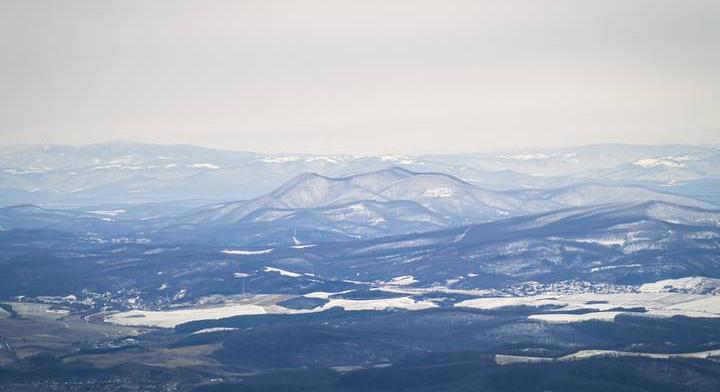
399 159
541 156
404 280
280 159
562 318
286 159
602 241
246 252
587 354
171 318
690 285
260 304
612 267
108 212
379 304
324 294
205 166
461 236
656 304
282 272
672 162
211 330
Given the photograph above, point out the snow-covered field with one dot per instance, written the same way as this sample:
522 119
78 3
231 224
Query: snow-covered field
171 318
605 306
259 304
587 354
379 304
324 294
666 298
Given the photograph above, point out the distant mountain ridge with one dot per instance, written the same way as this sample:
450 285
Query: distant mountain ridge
440 193
140 173
368 205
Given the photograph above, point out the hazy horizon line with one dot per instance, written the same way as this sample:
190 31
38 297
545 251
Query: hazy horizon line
488 151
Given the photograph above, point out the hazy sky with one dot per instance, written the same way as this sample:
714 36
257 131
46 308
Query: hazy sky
362 76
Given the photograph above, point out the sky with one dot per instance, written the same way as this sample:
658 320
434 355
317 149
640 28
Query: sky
361 77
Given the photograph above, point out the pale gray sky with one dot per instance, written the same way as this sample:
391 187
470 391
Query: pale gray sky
366 76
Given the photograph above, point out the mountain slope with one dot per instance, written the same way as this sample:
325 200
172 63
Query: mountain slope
591 194
442 194
456 201
617 244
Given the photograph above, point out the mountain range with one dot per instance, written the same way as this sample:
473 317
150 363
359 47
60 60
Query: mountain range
134 173
227 267
390 221
312 207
